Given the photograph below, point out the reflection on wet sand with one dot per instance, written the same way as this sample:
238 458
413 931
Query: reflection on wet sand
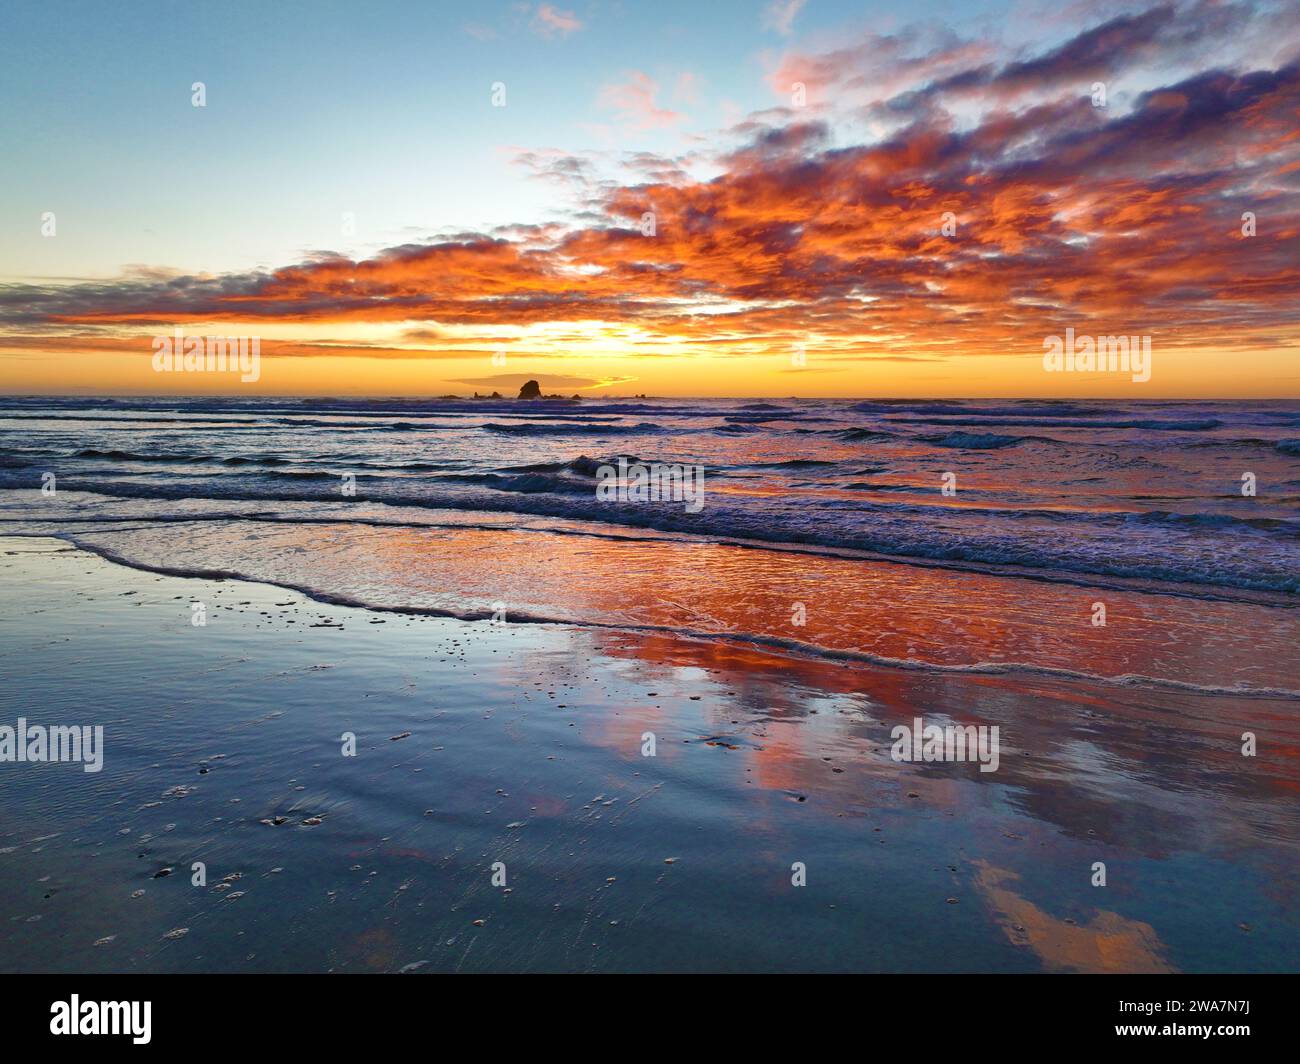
1109 943
524 744
1074 756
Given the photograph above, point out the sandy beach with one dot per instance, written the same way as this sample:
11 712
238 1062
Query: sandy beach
499 812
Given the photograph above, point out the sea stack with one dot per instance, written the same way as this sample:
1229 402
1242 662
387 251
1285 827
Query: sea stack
531 390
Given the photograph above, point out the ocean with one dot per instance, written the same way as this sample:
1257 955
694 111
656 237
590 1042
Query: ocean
601 733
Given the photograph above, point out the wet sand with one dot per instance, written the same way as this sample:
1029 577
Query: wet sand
521 745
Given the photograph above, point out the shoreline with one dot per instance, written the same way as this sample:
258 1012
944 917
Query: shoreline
875 612
773 644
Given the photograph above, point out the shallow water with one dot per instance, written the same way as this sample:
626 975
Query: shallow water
824 605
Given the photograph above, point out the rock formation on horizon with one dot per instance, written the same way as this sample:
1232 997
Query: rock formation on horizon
531 390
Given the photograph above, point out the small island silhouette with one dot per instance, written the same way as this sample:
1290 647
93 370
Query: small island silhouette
530 390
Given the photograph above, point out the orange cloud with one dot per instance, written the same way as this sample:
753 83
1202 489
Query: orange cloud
550 21
635 101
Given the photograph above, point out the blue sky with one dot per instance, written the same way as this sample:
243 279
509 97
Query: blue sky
380 109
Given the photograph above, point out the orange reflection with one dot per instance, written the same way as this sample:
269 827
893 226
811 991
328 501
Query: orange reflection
1109 943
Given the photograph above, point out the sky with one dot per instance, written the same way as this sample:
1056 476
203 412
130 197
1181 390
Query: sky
784 197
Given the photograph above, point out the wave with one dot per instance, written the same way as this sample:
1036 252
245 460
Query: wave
582 465
779 643
1151 424
895 531
525 483
1247 441
1169 517
264 460
181 458
132 456
124 418
975 441
856 434
571 429
1035 409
